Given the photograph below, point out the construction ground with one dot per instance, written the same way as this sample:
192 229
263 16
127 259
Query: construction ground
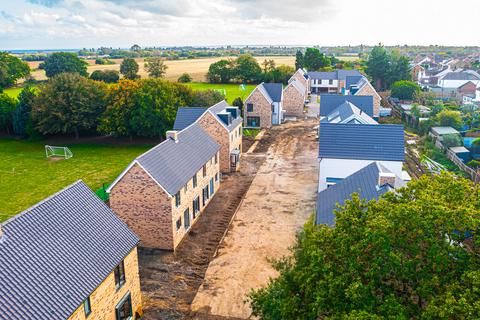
253 218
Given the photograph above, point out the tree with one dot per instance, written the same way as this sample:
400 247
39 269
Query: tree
299 60
22 116
399 68
247 68
449 118
405 90
11 69
155 67
68 103
107 76
411 255
268 65
61 62
7 106
378 66
221 71
184 78
238 102
314 60
206 98
129 68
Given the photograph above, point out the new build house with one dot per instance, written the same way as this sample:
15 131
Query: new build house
163 191
347 112
294 98
346 148
224 124
360 86
330 102
330 82
369 183
263 108
69 257
301 76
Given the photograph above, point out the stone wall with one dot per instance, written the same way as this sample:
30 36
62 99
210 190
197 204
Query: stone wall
368 90
298 76
106 297
145 207
293 101
236 141
261 108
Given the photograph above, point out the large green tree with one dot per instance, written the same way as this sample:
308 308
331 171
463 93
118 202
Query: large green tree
221 71
156 67
62 62
299 60
414 254
129 68
107 76
22 116
11 69
7 107
247 68
405 90
69 103
314 60
378 67
449 118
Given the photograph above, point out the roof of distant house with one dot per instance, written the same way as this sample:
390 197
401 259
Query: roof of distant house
173 163
333 75
352 80
362 142
463 75
329 102
298 85
55 254
274 91
365 182
444 130
347 112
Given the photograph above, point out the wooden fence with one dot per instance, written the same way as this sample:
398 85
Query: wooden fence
455 159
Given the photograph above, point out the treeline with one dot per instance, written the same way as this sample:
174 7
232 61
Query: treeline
72 104
246 69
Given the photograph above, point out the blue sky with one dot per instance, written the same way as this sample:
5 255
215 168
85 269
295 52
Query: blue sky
43 24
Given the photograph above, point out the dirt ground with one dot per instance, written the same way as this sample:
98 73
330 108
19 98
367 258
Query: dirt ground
279 201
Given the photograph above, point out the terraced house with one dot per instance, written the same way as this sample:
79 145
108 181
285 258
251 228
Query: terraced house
69 257
263 108
161 194
223 123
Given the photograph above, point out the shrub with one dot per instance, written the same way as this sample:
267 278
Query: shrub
404 90
184 78
107 76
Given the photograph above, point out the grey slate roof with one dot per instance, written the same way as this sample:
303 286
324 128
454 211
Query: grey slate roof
329 102
461 76
345 111
221 107
172 164
361 142
186 116
352 80
55 254
364 182
334 75
274 90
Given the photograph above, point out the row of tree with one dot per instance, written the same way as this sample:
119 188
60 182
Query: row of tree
246 69
72 104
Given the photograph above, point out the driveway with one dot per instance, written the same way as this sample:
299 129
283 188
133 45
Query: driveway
278 203
313 107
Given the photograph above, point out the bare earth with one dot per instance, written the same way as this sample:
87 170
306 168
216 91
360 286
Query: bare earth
277 204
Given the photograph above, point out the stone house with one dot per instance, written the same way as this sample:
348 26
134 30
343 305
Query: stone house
347 112
69 257
263 108
224 124
294 98
161 194
301 76
360 86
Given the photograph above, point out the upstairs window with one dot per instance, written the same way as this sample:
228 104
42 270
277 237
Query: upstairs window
194 180
177 199
119 273
216 158
249 107
330 81
179 223
87 307
205 170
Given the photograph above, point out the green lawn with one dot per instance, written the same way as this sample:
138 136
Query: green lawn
13 92
27 177
232 90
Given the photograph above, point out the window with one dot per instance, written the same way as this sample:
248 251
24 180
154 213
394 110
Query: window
205 195
87 307
216 176
273 108
186 219
196 207
119 274
179 223
253 122
177 199
216 158
240 130
195 180
205 170
249 107
124 308
330 81
185 188
332 181
212 186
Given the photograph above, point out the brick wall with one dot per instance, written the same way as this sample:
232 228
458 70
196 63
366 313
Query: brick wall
145 207
261 108
105 297
298 76
368 90
293 101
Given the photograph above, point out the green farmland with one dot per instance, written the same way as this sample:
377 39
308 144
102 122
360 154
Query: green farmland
27 176
232 90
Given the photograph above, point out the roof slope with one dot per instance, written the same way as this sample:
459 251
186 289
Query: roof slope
334 75
186 116
172 164
221 107
463 75
347 112
352 80
329 102
55 254
364 182
361 142
274 90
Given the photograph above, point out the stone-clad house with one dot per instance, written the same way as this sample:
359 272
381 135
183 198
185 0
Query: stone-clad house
161 194
360 86
69 257
294 98
224 124
331 81
263 108
348 113
301 76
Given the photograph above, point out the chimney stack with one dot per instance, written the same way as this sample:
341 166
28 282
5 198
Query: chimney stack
172 134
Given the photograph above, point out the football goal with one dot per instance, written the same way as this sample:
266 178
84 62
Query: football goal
58 152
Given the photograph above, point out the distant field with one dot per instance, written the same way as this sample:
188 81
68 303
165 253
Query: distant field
27 176
197 68
232 90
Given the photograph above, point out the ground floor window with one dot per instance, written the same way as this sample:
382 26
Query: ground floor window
186 219
205 195
253 121
124 308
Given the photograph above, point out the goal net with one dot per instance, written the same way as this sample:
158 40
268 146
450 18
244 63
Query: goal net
58 152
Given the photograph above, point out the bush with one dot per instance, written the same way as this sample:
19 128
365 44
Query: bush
7 106
184 78
107 76
452 140
474 164
449 118
404 90
103 61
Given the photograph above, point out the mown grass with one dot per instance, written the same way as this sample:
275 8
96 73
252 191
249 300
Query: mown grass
27 176
232 90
